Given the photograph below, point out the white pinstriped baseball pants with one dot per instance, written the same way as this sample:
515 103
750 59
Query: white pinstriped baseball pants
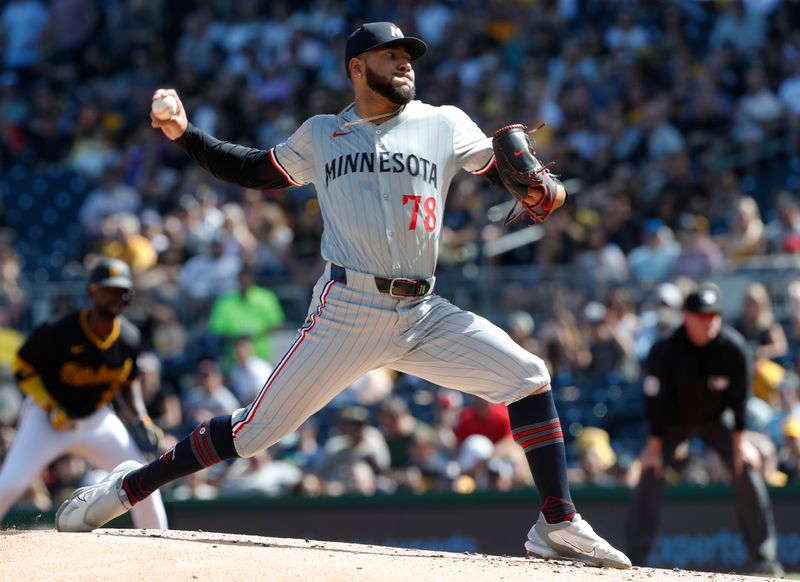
352 328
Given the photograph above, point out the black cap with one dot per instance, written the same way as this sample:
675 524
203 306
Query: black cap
372 35
705 299
112 273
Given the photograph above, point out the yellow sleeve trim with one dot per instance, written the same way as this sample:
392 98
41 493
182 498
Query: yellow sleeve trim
34 387
21 368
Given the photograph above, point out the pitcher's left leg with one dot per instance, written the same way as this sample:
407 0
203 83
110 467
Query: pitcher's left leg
458 349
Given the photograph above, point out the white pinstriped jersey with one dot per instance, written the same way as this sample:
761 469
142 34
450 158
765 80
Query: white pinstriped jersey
382 188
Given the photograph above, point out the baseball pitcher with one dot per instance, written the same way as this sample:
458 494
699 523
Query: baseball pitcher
382 168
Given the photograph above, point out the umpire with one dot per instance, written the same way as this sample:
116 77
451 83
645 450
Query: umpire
692 377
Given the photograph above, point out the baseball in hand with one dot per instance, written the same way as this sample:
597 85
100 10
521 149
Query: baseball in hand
164 107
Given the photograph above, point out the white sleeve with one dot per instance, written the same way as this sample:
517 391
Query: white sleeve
294 158
471 148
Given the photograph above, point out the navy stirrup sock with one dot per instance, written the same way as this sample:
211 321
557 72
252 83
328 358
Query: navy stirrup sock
208 444
536 428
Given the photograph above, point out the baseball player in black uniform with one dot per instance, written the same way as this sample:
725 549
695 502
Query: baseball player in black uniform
71 370
692 377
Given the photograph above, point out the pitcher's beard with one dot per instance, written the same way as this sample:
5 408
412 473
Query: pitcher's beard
397 94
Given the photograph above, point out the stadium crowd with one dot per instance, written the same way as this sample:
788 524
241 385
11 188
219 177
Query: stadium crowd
676 130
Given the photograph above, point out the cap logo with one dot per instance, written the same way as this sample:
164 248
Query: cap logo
395 31
112 271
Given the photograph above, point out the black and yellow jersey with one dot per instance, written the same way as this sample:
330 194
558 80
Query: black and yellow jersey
79 370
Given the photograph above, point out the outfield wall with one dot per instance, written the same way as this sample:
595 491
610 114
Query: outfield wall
699 524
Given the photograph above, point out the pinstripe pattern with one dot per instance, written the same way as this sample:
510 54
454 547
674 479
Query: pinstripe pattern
303 332
352 329
362 176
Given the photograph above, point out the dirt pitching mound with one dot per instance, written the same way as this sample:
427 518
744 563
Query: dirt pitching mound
173 556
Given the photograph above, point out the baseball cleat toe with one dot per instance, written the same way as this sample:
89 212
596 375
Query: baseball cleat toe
93 506
573 540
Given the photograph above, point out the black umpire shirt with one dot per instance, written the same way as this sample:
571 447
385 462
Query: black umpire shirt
79 370
686 385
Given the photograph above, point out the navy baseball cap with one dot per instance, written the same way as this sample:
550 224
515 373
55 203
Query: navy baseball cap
112 273
705 299
373 35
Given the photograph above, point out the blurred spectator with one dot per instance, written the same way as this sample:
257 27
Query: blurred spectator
24 23
399 428
789 454
764 456
209 397
663 138
700 256
249 373
739 28
758 325
206 277
621 312
13 298
356 456
10 399
431 467
484 418
626 35
431 21
520 326
564 349
660 315
654 259
111 196
460 230
759 112
789 94
269 224
301 448
608 347
783 231
601 259
72 23
203 221
240 241
250 310
745 238
129 245
596 458
197 49
449 405
260 475
163 405
473 458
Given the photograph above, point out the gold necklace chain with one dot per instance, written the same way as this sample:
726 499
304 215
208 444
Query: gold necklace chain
345 124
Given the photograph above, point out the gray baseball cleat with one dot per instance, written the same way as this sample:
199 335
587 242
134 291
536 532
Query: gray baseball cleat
93 506
573 540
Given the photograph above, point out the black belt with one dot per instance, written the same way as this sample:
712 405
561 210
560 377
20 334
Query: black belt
400 287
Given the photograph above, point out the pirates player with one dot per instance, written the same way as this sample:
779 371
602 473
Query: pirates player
71 370
382 169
